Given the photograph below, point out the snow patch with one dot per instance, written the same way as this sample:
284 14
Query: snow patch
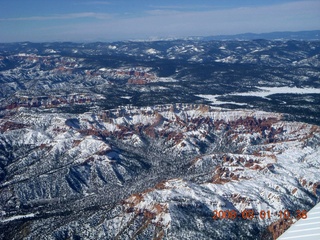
213 99
267 91
152 51
17 217
112 47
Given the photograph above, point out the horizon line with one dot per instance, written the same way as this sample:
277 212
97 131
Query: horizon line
185 38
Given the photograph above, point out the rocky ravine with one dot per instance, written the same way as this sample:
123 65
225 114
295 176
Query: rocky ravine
153 173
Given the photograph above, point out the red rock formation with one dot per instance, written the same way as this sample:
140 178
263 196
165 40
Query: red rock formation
279 227
76 143
161 185
11 126
138 81
316 188
218 177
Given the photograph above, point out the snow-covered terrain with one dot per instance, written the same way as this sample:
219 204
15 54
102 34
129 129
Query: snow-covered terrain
197 159
267 91
118 141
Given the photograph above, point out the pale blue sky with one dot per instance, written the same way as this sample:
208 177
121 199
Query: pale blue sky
110 20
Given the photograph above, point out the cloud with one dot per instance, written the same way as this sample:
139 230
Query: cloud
96 3
182 7
161 12
293 16
61 17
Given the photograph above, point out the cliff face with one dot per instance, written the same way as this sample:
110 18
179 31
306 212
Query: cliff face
154 172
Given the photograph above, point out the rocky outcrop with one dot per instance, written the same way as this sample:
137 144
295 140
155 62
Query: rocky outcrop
279 227
10 126
50 101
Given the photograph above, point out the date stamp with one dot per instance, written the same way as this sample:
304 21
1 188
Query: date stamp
250 214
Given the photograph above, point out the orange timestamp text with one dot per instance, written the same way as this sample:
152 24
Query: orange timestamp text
250 214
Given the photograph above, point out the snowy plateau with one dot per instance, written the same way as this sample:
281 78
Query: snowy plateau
145 140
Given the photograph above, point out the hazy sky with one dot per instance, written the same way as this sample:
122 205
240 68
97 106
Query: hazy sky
110 20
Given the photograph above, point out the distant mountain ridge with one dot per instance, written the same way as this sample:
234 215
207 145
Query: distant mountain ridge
300 35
